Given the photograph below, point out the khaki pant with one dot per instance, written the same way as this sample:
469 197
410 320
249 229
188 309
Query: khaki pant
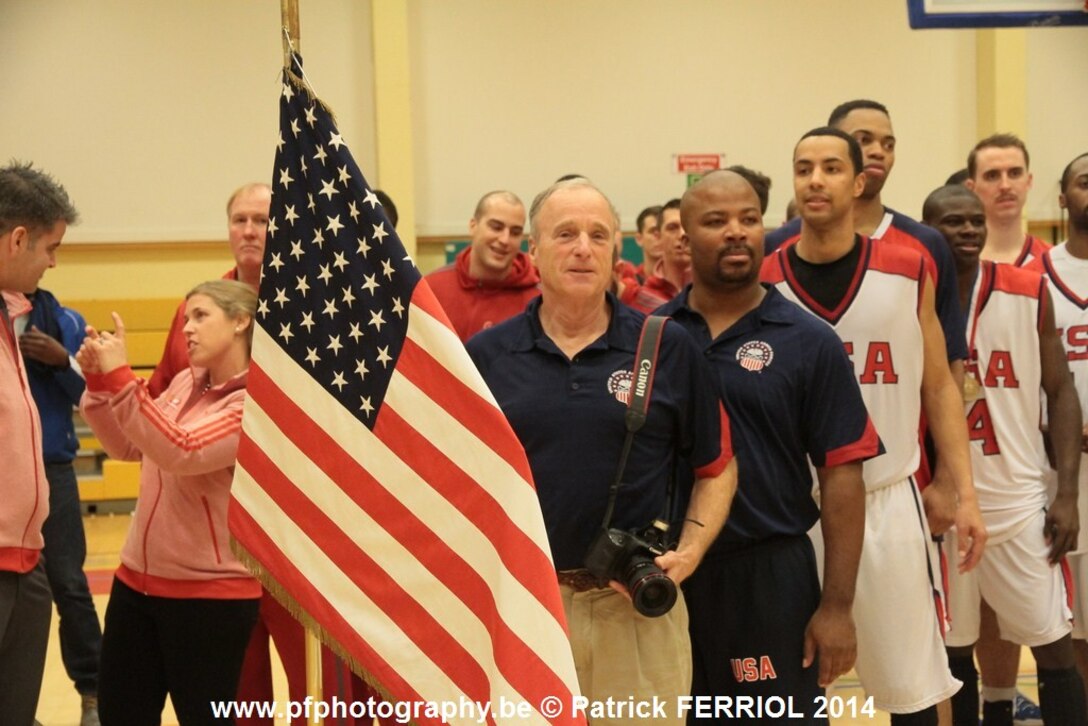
622 655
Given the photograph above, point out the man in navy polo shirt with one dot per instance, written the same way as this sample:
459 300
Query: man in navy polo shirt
561 372
790 393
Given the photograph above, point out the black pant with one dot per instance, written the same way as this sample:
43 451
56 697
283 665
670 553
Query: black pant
25 610
64 555
187 647
748 610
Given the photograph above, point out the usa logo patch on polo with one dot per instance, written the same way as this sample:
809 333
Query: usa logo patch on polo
619 385
755 355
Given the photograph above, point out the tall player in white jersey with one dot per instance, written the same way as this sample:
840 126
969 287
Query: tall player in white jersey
879 300
1013 350
1067 267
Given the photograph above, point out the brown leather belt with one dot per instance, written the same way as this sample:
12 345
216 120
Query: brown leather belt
581 580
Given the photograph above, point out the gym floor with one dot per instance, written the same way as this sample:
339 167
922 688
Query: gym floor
59 704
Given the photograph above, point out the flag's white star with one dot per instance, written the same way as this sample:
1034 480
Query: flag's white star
328 189
356 332
321 155
353 212
371 198
324 275
312 357
349 298
344 174
285 178
376 320
379 232
319 237
398 308
364 246
330 308
308 321
296 250
339 261
384 357
272 228
310 117
334 224
279 144
408 258
295 127
370 283
336 140
276 261
387 269
281 297
334 344
339 381
287 92
366 407
262 308
291 214
302 285
311 205
285 332
302 164
361 369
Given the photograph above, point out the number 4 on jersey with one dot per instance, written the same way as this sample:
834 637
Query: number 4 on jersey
980 427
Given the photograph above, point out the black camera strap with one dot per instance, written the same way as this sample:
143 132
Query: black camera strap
638 404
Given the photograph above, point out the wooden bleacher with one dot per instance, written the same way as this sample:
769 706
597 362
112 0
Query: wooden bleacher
147 321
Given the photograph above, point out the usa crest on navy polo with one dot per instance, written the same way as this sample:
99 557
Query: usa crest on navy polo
790 394
754 355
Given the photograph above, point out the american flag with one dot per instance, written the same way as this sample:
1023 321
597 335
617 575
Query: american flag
379 490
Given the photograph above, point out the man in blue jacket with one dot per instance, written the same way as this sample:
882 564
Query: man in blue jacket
51 337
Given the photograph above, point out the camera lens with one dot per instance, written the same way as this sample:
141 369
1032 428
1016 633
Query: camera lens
652 592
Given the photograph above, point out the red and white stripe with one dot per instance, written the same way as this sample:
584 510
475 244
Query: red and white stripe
419 546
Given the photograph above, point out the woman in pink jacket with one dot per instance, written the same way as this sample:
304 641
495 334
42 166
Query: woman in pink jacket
182 606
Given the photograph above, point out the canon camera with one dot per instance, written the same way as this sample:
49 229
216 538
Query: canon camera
628 557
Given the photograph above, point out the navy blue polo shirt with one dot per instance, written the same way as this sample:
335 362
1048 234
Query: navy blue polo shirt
791 395
904 230
569 416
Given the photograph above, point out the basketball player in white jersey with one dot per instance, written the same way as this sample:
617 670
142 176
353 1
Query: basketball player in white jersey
1067 268
879 299
1013 350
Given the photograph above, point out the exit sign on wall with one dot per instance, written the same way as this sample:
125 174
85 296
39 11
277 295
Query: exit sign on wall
697 163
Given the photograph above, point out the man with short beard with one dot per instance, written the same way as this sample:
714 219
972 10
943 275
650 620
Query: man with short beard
791 397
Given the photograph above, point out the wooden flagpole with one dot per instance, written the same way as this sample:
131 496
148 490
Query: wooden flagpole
289 15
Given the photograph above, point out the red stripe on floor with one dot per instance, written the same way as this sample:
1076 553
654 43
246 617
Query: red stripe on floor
100 581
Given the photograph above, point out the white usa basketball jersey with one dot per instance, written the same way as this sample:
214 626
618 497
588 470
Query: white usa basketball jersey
878 323
1008 458
1068 277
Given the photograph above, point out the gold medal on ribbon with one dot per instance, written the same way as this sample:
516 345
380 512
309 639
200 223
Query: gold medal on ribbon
972 389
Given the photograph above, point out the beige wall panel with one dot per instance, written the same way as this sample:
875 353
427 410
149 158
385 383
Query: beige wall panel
514 94
150 113
1057 60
